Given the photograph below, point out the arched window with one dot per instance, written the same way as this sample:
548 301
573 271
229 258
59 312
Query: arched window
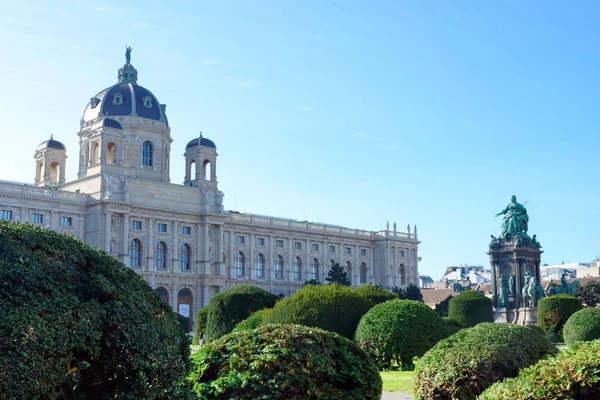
207 170
240 264
184 257
402 275
160 255
192 170
279 267
314 269
349 270
297 268
95 153
260 266
135 253
184 305
162 292
147 154
363 273
54 171
111 153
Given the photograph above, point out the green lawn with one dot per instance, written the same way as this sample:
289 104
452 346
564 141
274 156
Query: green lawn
397 381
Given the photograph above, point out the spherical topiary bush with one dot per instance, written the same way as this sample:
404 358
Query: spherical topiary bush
284 362
554 311
228 308
572 374
200 325
470 308
76 323
252 322
332 307
375 293
395 332
582 326
466 363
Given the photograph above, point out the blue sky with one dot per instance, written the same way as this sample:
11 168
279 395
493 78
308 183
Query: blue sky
350 113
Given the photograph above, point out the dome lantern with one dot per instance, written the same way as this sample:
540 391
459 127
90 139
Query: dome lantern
127 73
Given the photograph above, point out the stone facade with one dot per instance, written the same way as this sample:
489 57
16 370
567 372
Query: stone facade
178 237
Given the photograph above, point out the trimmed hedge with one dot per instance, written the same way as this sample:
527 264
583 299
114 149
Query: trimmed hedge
375 293
76 323
572 374
463 365
200 324
252 322
470 308
582 326
554 311
228 308
452 326
394 332
284 362
331 307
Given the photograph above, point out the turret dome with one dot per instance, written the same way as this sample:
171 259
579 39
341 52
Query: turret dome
201 141
51 144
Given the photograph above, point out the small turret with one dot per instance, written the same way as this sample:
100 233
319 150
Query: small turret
50 162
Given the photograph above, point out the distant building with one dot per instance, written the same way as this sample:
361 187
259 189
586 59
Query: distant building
572 270
475 273
425 281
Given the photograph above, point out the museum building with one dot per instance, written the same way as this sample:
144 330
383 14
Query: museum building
178 236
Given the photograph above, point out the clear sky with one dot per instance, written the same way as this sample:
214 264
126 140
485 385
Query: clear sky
351 113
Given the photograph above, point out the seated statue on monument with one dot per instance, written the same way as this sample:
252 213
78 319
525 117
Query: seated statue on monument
516 220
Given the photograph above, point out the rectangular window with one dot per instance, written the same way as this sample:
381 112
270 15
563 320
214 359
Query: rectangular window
260 241
279 243
348 250
315 247
298 245
136 225
6 215
363 252
66 221
162 227
186 230
401 253
332 249
240 239
37 218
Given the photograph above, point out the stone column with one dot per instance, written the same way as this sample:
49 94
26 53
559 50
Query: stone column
150 253
106 245
357 273
174 248
200 256
270 263
518 267
250 257
220 268
82 227
371 266
23 215
307 275
290 275
124 239
229 267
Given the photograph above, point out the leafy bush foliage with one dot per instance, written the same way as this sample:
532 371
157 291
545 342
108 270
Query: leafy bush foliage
228 308
582 326
76 323
200 325
470 308
554 311
572 374
284 362
589 294
452 325
442 307
463 365
252 322
412 292
332 307
395 332
376 294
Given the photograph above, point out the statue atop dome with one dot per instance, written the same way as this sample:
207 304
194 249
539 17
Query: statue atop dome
128 54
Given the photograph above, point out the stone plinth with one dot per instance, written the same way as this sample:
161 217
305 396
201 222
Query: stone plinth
519 316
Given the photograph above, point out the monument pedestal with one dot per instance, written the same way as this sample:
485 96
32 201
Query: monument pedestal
519 316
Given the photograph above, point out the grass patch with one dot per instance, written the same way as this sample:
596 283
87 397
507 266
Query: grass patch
397 381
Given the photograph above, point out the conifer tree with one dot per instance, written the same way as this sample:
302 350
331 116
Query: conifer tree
337 274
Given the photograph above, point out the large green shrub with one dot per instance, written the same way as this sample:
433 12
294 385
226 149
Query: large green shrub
452 326
582 326
252 322
374 293
331 307
470 308
572 374
76 323
200 324
442 307
554 311
395 332
228 308
463 365
284 362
